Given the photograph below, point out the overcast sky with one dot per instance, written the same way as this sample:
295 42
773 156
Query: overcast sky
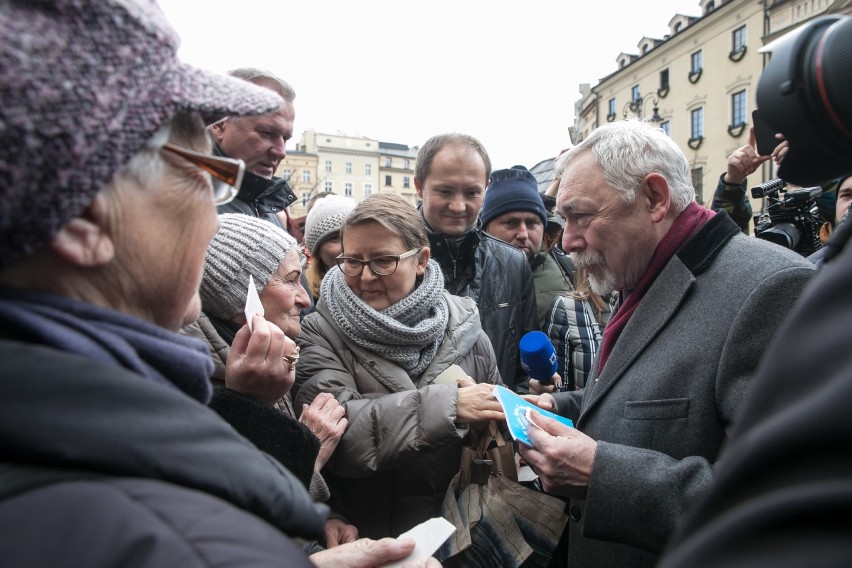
507 73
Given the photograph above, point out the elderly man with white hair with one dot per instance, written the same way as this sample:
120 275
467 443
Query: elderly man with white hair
699 302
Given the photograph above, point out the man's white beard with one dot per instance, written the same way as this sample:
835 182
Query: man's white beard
602 285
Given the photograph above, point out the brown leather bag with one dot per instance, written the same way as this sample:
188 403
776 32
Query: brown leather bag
480 460
496 518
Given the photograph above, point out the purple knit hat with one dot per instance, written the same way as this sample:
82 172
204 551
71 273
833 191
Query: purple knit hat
84 84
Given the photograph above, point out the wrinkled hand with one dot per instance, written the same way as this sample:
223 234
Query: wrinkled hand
367 553
338 532
256 365
744 161
537 387
325 418
561 456
478 404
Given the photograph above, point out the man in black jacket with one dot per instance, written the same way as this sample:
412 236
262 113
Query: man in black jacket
451 175
260 142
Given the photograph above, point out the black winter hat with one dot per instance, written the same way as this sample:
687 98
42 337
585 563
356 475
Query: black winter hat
514 189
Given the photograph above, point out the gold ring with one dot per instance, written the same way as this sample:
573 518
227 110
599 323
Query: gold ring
293 358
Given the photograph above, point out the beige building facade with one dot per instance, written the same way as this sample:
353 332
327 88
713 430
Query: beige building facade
699 82
354 166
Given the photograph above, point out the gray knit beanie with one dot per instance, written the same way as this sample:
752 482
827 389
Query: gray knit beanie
84 84
324 219
244 246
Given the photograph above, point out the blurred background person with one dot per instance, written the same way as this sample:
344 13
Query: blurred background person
322 237
384 332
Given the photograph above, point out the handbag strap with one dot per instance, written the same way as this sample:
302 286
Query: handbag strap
491 433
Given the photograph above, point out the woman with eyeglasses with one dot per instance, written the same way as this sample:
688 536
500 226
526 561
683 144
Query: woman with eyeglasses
382 341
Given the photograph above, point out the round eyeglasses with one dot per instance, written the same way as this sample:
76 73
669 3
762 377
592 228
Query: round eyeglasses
225 173
380 265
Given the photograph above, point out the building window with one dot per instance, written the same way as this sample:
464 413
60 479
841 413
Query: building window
388 181
634 93
329 186
348 167
610 115
306 176
368 189
388 162
666 126
664 81
286 174
305 197
698 184
738 108
738 39
406 164
695 65
347 188
328 166
696 136
368 169
406 181
697 123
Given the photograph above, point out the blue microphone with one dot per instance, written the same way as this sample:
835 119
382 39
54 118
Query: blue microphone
538 357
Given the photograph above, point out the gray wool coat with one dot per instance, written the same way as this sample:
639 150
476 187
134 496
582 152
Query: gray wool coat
661 408
402 446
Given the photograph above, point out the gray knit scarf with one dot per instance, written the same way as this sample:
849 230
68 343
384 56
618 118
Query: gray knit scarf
407 333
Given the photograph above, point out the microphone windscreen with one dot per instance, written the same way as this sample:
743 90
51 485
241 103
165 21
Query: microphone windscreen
538 358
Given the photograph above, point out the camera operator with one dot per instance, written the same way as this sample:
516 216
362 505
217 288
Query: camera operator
791 216
731 191
782 489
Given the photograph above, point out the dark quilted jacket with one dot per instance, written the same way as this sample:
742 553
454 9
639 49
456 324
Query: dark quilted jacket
498 277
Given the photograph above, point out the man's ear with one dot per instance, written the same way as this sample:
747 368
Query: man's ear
418 185
655 190
84 241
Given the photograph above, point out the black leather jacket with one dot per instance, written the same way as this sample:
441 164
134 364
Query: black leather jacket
260 197
498 277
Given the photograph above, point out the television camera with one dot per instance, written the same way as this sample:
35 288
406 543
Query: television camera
790 218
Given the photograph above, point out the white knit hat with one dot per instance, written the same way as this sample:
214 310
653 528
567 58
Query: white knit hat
244 246
325 218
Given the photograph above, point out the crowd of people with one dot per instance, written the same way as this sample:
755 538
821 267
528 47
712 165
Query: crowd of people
154 416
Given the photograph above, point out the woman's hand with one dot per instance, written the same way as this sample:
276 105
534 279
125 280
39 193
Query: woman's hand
477 403
256 365
325 418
